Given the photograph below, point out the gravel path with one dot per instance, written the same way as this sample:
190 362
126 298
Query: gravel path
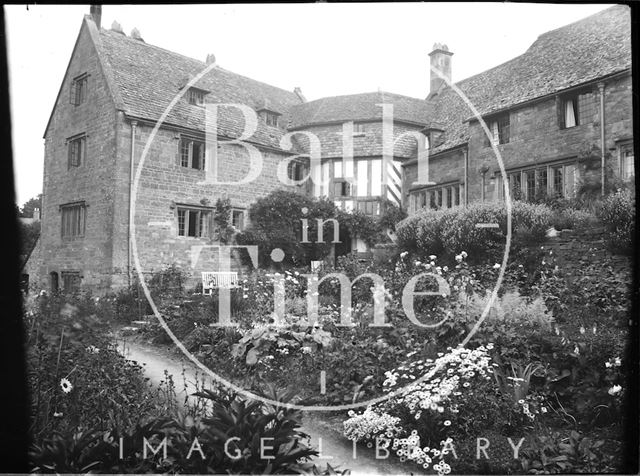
334 448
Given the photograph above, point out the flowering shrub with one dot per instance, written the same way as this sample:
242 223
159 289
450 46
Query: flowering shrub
435 402
369 424
618 215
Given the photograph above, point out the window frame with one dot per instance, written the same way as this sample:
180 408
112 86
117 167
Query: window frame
271 119
346 190
625 174
200 231
499 126
68 287
585 108
72 154
243 212
446 195
295 170
542 174
186 162
73 225
358 129
79 89
195 97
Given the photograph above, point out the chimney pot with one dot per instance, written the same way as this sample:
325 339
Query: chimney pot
96 14
440 60
211 58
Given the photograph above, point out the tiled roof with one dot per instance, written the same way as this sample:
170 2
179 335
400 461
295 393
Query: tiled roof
360 107
148 78
597 46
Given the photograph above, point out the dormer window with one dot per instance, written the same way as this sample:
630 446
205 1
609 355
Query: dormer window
196 96
270 118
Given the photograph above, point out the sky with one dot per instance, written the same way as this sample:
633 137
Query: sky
325 49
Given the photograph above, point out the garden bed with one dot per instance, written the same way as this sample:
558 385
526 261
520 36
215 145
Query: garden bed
553 350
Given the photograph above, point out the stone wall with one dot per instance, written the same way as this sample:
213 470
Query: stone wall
165 185
91 182
573 251
536 138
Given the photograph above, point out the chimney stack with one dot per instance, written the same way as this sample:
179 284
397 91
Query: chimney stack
211 58
298 93
115 26
441 61
135 34
96 14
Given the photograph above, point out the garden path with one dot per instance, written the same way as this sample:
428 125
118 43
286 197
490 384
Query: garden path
334 449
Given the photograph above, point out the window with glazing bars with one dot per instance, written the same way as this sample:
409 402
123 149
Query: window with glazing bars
195 96
237 219
193 222
73 220
77 147
500 129
577 109
192 153
295 170
626 161
78 93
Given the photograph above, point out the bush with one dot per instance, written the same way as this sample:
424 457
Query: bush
391 215
423 420
618 215
448 231
77 377
276 222
573 219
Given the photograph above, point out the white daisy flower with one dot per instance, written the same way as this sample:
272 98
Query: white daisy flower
66 385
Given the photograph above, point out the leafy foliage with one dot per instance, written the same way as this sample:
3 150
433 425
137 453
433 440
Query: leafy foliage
233 436
618 215
222 220
445 232
276 222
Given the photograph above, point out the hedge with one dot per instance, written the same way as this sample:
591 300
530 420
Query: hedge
452 230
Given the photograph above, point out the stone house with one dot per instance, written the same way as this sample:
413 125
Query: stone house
555 114
132 171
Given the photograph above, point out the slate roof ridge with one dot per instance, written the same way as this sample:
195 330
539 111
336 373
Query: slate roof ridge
586 19
515 59
597 46
402 96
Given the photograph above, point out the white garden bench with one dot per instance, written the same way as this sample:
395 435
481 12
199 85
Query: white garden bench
218 279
